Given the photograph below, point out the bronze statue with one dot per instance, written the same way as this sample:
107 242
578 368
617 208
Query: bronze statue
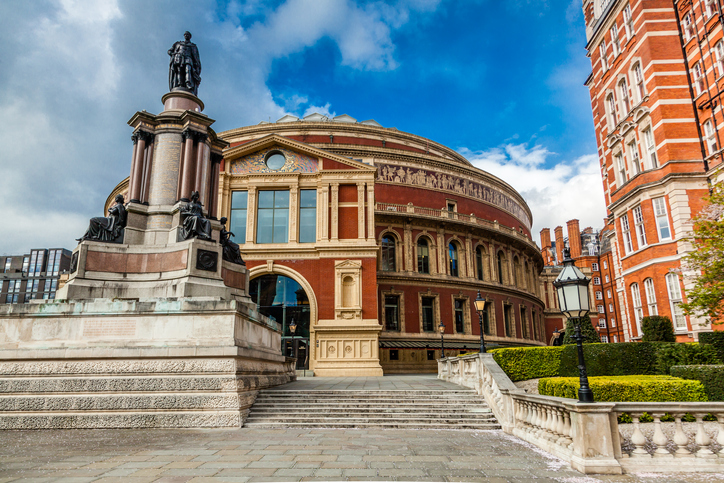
108 229
230 251
194 223
184 71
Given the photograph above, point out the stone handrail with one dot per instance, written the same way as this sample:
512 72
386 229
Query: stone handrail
588 435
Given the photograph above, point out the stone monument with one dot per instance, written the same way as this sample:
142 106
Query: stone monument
154 327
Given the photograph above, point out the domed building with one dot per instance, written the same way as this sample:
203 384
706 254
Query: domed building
362 240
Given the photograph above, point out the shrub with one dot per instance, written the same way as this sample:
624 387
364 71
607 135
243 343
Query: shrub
521 363
690 353
657 328
623 359
712 377
627 388
715 339
590 336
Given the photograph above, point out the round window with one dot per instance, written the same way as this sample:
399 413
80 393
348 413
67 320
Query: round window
276 161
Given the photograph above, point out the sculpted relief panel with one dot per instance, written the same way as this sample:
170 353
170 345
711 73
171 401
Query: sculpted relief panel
432 179
256 162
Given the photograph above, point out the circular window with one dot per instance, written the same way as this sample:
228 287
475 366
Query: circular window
276 161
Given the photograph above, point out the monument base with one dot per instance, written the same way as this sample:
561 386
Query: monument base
186 363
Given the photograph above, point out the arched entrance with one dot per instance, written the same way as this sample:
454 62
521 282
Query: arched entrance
284 299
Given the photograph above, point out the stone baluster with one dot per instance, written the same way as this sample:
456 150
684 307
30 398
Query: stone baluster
638 439
567 434
550 424
560 426
680 438
702 439
659 439
530 415
720 436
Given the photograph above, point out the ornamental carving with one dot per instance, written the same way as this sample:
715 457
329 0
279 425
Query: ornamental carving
255 162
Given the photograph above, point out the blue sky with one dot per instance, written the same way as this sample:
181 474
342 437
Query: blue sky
499 81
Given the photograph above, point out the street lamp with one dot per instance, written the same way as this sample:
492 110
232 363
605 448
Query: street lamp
292 327
572 288
441 328
480 306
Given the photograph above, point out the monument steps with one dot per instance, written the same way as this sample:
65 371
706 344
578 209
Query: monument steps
425 409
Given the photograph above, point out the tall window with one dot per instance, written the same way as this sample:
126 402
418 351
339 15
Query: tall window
479 262
651 148
8 263
612 110
307 216
699 78
672 285
620 169
486 319
615 41
524 323
459 316
639 80
710 8
638 310
639 225
651 296
604 59
628 22
423 256
428 324
501 263
237 223
392 312
719 52
508 319
662 219
710 135
26 264
273 217
626 233
633 153
388 254
594 267
453 254
623 95
516 272
688 27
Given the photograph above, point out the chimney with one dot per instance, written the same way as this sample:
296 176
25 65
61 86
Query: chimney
574 238
559 244
545 244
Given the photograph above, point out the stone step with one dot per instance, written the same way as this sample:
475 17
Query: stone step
397 416
124 402
384 425
374 409
343 393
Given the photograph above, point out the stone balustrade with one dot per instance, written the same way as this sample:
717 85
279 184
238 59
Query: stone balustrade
659 438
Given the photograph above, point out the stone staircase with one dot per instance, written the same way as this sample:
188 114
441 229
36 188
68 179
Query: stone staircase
389 409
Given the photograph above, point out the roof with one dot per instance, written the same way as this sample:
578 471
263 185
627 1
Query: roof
317 117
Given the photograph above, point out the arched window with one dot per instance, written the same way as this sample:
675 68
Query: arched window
527 274
453 255
516 272
623 95
479 262
710 135
638 311
699 82
640 89
611 106
675 299
651 296
501 264
388 254
423 256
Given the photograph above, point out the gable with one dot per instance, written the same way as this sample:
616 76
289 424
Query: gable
296 162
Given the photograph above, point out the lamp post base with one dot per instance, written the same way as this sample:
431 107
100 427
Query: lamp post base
585 395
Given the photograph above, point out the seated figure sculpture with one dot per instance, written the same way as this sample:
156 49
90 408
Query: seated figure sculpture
108 229
194 223
230 251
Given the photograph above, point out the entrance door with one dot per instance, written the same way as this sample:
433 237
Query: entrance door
285 301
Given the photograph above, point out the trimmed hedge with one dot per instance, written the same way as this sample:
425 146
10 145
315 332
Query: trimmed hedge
715 339
657 328
521 363
689 353
623 359
712 377
627 388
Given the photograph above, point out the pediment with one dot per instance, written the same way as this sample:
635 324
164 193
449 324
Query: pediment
300 157
348 264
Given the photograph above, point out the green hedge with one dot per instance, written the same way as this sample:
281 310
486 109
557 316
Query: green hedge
715 339
521 363
623 359
712 377
627 388
690 353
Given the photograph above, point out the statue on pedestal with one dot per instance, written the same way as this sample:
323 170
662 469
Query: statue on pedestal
194 223
108 229
230 251
185 67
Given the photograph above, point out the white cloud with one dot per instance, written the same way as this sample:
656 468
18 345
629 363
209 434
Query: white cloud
323 110
555 194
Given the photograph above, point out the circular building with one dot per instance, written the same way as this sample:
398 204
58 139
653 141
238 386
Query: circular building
366 239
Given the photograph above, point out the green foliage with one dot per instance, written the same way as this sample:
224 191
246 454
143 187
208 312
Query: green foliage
691 353
706 260
627 388
522 363
715 339
657 328
712 377
627 358
590 336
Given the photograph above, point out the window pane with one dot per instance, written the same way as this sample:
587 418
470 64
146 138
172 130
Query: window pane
308 198
266 199
307 225
239 199
281 224
427 314
264 223
237 225
423 257
281 199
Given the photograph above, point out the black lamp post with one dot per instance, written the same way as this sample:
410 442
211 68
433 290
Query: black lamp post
441 328
572 288
292 327
480 307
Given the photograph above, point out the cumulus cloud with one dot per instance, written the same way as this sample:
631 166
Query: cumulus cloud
555 193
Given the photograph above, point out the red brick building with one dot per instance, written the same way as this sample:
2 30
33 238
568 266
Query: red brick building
655 86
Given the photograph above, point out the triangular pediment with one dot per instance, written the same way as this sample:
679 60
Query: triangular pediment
345 118
302 157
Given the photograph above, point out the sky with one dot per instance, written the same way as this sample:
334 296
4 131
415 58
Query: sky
501 82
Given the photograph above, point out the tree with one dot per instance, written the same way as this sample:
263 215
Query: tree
704 265
657 328
587 331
